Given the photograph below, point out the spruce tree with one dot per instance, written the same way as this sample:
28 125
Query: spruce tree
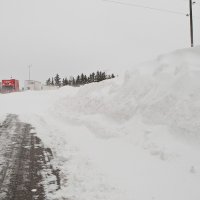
48 81
66 81
112 76
73 82
93 77
109 77
63 82
52 81
82 79
97 77
103 76
100 76
78 80
85 79
57 80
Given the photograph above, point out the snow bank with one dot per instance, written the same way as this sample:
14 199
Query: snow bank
133 137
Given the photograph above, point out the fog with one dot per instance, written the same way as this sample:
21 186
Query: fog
74 36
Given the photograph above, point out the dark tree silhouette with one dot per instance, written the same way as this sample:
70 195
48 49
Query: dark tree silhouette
57 80
79 80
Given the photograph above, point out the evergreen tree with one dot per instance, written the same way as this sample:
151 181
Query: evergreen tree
92 77
66 81
78 80
73 82
89 79
70 80
52 81
48 81
103 76
112 76
100 76
109 77
63 82
97 77
57 80
82 79
85 79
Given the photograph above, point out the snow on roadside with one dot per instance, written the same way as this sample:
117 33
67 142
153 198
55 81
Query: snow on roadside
134 137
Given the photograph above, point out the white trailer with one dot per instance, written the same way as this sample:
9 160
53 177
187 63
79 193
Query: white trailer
32 85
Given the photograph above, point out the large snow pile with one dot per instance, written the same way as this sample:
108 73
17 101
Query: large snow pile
134 137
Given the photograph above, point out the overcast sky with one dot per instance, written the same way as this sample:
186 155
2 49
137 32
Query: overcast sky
74 36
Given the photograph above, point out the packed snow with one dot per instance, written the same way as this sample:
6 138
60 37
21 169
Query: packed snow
132 137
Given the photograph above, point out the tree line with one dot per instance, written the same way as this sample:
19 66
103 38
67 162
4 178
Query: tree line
78 80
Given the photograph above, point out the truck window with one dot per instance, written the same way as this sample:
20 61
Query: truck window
7 88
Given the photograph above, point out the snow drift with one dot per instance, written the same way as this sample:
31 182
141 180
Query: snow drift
134 137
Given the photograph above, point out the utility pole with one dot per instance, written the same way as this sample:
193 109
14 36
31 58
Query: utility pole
29 72
191 24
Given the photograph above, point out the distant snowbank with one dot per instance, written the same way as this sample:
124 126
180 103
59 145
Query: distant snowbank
133 137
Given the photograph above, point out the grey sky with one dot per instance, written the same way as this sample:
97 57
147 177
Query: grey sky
74 36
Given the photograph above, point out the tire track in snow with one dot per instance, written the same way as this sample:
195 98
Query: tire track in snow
25 167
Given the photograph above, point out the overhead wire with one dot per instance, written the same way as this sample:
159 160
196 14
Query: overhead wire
146 7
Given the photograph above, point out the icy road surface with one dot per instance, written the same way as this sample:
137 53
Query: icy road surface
24 162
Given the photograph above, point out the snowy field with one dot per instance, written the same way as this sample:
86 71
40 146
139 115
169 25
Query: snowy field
136 137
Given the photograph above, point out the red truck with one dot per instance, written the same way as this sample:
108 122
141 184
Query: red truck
11 85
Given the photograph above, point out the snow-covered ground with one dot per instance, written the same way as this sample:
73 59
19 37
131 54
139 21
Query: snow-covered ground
133 137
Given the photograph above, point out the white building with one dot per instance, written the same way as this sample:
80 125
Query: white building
32 85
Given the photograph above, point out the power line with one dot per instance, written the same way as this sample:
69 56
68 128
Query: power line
190 14
146 7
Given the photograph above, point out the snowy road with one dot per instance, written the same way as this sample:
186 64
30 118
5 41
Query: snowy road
26 171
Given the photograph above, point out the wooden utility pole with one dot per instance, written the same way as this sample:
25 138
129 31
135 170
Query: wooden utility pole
191 24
